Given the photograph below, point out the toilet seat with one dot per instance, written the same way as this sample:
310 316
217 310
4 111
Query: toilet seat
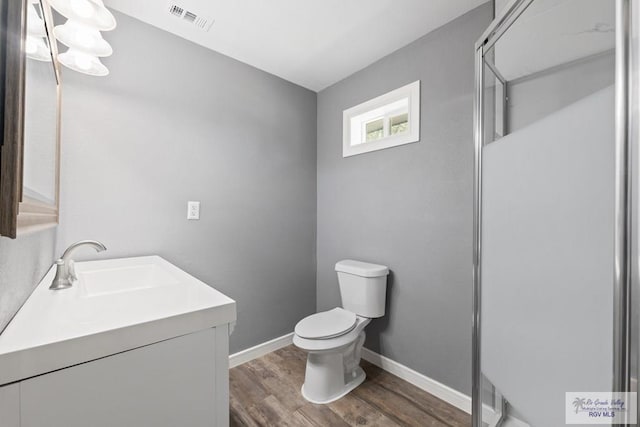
326 325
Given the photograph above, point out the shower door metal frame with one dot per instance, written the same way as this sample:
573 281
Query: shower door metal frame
626 140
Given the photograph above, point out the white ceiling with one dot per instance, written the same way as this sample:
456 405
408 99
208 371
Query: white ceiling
313 43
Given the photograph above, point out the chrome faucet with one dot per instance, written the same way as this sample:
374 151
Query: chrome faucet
65 270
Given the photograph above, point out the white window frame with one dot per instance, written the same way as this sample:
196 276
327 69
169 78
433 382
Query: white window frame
410 91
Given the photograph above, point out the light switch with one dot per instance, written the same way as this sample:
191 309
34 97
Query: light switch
193 210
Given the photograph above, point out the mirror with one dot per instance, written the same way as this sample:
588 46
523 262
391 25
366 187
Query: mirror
29 155
40 113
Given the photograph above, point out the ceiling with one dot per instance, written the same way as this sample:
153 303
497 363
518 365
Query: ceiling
313 43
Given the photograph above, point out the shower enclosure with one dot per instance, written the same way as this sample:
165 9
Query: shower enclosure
555 209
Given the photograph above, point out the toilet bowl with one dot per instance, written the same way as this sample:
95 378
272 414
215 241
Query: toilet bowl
334 338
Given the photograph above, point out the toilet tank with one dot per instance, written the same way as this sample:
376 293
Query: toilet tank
363 287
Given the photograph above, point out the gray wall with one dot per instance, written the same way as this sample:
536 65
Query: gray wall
175 122
23 263
408 207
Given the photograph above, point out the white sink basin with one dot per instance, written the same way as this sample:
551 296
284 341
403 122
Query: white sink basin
96 282
116 305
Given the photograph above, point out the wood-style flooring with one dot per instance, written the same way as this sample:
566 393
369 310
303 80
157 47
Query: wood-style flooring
266 392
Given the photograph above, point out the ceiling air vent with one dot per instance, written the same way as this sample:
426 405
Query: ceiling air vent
176 10
190 17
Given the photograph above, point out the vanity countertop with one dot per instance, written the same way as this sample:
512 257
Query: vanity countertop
116 305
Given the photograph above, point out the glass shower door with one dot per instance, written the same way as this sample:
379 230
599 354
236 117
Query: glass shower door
545 219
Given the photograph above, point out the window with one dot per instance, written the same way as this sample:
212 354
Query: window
374 130
386 121
399 124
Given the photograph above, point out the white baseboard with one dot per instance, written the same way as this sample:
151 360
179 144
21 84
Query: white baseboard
441 391
259 350
431 386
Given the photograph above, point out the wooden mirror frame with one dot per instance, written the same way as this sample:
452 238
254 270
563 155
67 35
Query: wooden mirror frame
20 214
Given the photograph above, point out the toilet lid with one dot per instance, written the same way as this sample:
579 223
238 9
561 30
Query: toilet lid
327 324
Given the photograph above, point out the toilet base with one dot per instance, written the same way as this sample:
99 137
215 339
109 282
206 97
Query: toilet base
331 374
355 382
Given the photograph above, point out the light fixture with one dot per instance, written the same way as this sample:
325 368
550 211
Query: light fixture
82 62
83 38
81 34
92 13
36 48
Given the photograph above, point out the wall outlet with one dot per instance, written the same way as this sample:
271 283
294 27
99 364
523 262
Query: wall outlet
193 210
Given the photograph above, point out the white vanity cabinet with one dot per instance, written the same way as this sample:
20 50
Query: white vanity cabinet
178 382
154 368
10 405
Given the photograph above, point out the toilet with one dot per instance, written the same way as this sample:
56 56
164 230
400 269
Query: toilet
334 338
